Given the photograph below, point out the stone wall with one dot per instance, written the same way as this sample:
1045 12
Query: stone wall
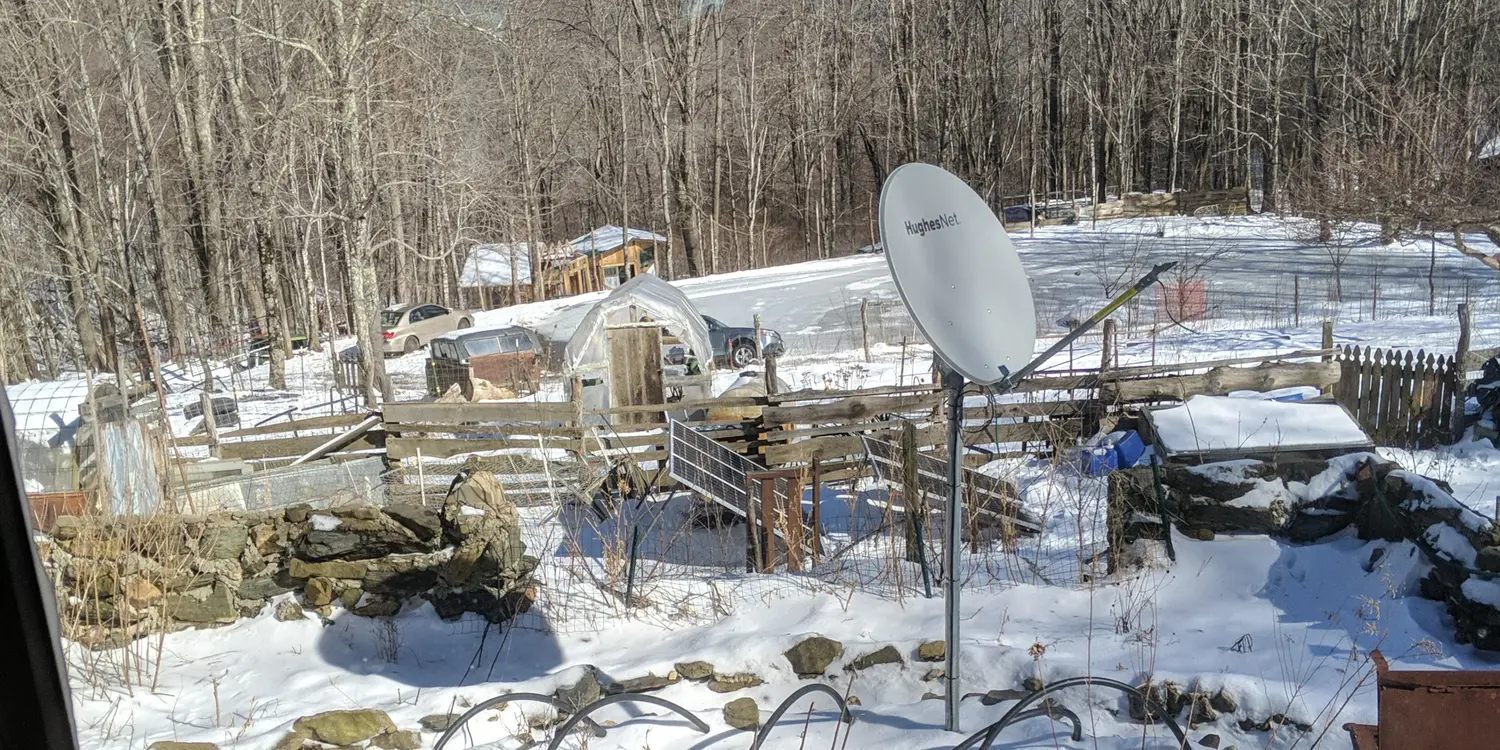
1304 500
118 579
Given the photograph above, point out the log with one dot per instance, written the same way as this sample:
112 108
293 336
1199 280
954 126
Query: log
1221 380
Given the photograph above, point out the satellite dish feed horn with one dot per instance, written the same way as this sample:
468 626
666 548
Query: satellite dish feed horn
961 281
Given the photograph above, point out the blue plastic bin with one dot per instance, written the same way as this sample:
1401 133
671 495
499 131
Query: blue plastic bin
1129 449
1099 461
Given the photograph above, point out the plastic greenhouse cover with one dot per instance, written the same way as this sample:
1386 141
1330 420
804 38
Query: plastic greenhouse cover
649 295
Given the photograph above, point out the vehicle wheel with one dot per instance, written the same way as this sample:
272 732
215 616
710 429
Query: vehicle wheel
410 346
742 354
465 323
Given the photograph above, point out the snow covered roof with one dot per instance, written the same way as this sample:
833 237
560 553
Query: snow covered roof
605 239
490 264
48 409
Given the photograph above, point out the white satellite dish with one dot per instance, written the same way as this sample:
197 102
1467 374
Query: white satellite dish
957 272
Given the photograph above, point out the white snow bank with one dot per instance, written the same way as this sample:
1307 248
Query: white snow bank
1226 471
1217 423
1482 592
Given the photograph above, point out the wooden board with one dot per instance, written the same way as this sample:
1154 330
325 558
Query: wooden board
506 411
407 447
635 369
300 425
1222 380
294 447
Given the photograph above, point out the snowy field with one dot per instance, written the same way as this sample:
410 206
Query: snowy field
1286 628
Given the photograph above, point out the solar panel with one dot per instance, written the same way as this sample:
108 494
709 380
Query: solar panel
698 462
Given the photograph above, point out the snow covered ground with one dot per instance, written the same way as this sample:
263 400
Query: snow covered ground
1286 628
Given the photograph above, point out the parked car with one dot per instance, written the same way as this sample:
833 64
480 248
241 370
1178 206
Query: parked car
510 356
735 345
407 328
1018 214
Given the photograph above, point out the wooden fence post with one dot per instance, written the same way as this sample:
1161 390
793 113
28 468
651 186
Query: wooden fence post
817 511
864 324
1464 332
1106 360
1459 379
759 352
911 493
1297 301
770 376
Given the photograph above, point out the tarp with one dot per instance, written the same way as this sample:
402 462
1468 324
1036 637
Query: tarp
588 349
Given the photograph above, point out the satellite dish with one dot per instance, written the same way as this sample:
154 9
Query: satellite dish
957 272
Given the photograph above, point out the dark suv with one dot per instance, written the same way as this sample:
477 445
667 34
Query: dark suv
736 345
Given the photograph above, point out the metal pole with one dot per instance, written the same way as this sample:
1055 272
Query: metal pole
953 546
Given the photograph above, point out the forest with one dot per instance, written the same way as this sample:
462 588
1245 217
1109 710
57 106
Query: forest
180 175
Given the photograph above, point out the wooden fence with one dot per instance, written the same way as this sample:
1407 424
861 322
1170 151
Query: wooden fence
1402 398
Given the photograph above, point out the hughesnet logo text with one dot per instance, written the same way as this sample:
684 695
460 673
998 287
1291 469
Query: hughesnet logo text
921 227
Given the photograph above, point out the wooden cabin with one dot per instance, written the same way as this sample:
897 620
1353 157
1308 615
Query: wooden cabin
496 275
608 257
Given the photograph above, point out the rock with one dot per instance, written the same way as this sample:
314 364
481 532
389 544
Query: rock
582 689
261 588
293 741
318 591
932 651
401 585
223 541
298 513
378 606
1033 684
933 674
139 592
166 745
438 722
1209 740
1224 702
494 604
728 683
1000 696
812 656
346 569
203 606
1201 712
885 655
1200 533
853 700
1488 559
350 596
356 539
646 684
484 528
696 671
263 538
398 740
1312 524
345 727
96 548
289 611
189 581
742 713
932 696
422 522
67 527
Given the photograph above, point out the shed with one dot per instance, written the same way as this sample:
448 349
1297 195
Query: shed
645 303
608 257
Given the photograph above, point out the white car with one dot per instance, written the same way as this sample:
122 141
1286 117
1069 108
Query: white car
407 328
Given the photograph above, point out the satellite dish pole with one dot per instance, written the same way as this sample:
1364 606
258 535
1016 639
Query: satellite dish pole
965 288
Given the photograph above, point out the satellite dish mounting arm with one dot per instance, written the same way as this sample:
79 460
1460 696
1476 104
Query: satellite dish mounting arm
1012 380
